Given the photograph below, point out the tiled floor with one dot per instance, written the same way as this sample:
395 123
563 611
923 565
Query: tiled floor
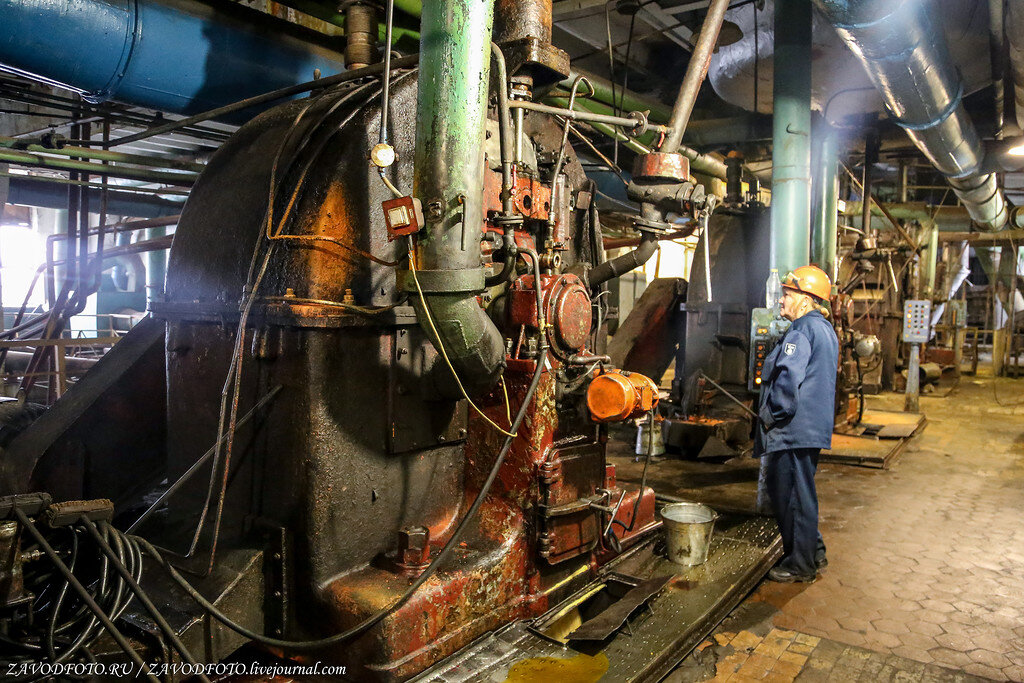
926 559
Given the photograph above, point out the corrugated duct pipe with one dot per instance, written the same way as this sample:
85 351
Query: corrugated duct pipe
906 56
1014 25
170 55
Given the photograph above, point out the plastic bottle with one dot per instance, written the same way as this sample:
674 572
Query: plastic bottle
773 292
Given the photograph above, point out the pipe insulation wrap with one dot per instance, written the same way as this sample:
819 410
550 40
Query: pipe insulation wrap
907 58
169 55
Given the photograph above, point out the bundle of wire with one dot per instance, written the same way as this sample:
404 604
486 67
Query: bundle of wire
58 626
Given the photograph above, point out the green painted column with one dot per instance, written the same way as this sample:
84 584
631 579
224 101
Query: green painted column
824 234
791 137
451 115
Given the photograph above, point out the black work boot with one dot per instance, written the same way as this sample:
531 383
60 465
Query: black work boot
783 575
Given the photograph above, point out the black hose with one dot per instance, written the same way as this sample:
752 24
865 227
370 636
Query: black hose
620 265
161 622
84 594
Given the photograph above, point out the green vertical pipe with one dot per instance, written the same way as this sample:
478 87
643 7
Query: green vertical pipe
826 201
791 137
451 116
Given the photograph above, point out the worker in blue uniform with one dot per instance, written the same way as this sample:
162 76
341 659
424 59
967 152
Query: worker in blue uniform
796 416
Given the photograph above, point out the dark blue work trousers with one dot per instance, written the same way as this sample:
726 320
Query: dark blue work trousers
790 484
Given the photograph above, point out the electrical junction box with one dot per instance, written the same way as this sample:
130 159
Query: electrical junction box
917 315
403 215
765 332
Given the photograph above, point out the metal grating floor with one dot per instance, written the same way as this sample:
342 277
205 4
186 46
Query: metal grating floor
656 639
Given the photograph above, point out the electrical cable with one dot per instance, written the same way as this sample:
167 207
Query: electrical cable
140 594
440 344
611 66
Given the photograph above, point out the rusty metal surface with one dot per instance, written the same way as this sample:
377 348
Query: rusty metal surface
661 166
523 29
567 310
690 606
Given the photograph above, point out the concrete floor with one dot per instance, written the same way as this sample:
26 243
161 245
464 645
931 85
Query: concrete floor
926 574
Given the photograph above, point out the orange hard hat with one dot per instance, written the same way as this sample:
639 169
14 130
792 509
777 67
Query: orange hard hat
810 280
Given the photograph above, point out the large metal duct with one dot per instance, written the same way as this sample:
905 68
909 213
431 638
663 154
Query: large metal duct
1014 24
170 55
907 59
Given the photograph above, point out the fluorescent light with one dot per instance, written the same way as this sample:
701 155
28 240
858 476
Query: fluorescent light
1016 151
842 206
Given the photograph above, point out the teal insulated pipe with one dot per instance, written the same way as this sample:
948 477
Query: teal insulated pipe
451 118
170 55
791 137
824 232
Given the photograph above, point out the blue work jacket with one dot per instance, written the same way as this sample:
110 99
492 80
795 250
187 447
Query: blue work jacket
798 396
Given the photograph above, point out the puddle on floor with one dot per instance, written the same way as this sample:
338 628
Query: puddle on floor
579 669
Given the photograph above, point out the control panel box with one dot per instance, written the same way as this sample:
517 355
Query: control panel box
765 332
917 315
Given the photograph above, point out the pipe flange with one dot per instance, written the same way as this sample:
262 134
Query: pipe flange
652 226
641 122
505 221
444 281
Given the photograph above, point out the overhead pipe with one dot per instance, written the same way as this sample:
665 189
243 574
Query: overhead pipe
451 116
997 49
906 57
168 55
700 163
696 70
1014 36
54 195
791 137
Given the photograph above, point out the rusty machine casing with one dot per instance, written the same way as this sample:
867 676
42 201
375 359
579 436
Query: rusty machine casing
358 464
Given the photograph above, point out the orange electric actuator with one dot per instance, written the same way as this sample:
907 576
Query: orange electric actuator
619 395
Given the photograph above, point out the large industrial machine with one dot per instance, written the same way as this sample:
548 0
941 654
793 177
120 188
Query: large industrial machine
368 420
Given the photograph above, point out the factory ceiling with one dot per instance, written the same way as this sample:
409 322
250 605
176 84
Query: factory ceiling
651 42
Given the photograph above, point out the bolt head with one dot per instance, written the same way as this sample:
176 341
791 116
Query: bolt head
435 209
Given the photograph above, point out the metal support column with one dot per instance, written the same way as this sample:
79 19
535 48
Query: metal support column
791 137
911 403
824 233
932 264
156 267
